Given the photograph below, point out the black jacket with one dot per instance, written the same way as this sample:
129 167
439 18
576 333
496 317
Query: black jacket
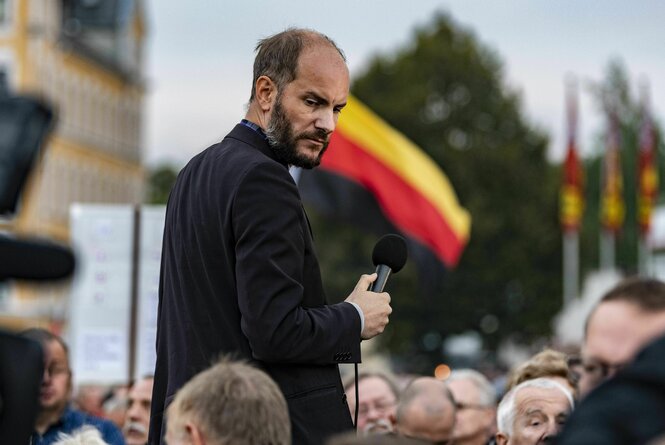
239 275
628 409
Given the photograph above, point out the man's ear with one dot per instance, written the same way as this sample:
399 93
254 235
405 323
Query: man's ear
265 93
501 439
194 434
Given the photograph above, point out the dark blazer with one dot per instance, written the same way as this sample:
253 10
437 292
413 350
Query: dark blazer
239 275
628 409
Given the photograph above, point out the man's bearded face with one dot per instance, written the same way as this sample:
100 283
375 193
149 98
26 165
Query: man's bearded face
284 141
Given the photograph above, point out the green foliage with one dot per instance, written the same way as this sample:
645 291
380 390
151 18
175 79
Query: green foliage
615 90
160 182
445 91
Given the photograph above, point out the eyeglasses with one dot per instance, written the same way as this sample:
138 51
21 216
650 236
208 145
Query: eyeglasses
597 371
55 369
380 407
462 406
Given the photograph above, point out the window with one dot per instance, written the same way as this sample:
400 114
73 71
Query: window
5 6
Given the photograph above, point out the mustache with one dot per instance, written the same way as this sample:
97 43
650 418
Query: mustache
135 427
319 135
379 426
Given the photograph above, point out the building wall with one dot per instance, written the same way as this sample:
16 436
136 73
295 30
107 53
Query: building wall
94 154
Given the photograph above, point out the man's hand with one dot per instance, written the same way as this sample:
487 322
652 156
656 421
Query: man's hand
375 306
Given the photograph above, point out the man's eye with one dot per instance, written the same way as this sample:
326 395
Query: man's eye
311 102
590 368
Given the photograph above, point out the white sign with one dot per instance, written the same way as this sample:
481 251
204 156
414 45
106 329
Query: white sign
99 322
152 228
101 301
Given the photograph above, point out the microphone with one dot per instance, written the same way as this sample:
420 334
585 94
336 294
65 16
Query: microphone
34 260
389 255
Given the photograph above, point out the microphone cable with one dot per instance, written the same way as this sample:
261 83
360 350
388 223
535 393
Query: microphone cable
355 417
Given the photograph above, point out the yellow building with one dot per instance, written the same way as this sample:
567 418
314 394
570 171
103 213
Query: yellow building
85 59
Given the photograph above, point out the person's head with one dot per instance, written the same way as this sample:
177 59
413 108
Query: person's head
547 363
475 399
137 417
426 411
229 403
533 412
56 385
86 435
89 398
300 85
378 395
115 405
625 320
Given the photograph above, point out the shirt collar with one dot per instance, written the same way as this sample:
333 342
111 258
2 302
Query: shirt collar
254 127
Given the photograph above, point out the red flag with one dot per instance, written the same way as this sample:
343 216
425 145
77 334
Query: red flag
647 186
612 205
572 187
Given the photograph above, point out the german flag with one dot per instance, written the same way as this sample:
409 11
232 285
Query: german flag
370 161
612 205
647 186
572 187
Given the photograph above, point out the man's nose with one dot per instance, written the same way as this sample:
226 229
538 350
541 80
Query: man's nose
373 413
326 120
553 428
131 411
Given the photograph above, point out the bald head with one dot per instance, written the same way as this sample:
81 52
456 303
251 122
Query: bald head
277 56
426 411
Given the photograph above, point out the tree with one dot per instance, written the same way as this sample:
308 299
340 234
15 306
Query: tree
160 182
445 91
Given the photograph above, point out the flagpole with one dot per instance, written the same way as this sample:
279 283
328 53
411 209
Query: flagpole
644 256
571 265
612 204
572 200
607 249
647 181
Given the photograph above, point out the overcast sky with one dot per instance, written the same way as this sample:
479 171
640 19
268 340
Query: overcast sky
200 53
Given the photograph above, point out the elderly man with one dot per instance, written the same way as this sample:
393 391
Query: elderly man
137 417
378 395
56 415
533 412
475 400
229 403
426 411
627 318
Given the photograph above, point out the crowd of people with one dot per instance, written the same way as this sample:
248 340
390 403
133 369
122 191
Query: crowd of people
610 394
240 277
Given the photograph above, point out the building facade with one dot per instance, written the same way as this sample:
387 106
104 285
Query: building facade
85 59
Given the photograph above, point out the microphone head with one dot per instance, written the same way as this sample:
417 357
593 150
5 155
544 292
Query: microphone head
391 251
34 260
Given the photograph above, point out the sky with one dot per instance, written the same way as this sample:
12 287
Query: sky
199 56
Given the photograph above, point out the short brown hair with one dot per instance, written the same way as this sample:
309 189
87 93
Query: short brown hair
547 363
233 402
44 336
277 56
350 381
646 293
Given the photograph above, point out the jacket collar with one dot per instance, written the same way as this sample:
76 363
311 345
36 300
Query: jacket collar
245 134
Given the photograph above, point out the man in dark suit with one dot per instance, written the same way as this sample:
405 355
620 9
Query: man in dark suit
239 271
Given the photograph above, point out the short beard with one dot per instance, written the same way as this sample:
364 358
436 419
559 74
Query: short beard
284 142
